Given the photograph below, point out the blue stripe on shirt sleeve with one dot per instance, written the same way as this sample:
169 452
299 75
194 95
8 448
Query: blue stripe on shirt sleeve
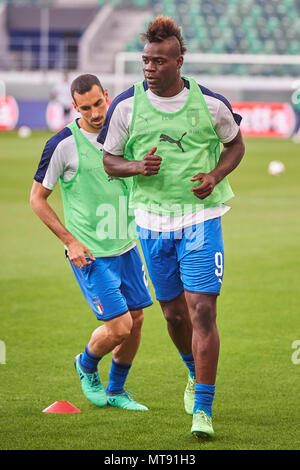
49 149
222 98
123 96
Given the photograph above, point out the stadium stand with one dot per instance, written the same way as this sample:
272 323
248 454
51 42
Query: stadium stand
47 34
232 26
108 34
223 26
45 38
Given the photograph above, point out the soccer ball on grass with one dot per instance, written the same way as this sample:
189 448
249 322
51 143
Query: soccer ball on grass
276 168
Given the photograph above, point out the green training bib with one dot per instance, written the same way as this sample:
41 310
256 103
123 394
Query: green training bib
187 143
95 204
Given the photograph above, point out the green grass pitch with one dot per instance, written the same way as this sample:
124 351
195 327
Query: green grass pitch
45 322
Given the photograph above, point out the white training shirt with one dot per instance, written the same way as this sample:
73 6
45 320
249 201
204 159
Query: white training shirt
115 133
60 157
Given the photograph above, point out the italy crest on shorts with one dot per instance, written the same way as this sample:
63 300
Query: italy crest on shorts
98 305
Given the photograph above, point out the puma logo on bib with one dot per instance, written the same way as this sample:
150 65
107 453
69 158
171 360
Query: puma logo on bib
167 138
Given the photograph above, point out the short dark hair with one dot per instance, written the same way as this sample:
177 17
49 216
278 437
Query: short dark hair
161 28
84 83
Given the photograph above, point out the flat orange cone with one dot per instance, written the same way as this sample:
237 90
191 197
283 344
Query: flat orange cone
61 407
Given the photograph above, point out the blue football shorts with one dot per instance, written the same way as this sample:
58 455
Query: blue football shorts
115 284
190 259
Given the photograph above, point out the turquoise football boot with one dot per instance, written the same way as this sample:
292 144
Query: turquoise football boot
123 400
91 385
202 425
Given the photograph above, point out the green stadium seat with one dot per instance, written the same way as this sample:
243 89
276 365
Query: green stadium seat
232 26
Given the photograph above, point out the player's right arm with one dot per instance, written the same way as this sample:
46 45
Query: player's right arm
77 252
115 134
59 159
116 165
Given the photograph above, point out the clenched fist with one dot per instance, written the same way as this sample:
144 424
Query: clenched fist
150 164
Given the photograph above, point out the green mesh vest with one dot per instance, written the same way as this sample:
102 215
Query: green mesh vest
187 143
96 205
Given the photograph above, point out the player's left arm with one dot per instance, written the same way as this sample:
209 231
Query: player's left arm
230 158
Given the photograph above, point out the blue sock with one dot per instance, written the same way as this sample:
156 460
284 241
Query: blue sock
188 359
117 377
204 397
88 361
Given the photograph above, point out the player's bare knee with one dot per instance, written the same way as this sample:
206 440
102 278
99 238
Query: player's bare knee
203 316
174 318
176 312
137 320
120 328
121 334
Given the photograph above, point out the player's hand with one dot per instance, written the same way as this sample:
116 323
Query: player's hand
206 187
78 254
150 164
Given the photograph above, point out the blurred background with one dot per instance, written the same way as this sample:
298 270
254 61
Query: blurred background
247 50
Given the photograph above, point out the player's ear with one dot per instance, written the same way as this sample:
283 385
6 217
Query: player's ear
74 105
180 61
106 95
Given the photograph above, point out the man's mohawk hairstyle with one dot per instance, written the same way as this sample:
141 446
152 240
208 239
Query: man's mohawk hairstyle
161 28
